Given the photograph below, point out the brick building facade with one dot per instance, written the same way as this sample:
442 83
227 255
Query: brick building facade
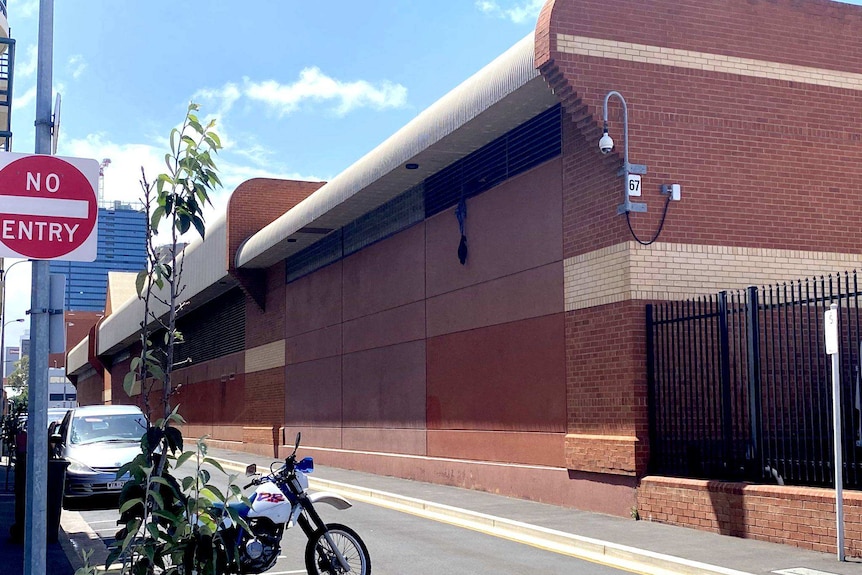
523 370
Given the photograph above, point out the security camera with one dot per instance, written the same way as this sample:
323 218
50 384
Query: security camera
606 144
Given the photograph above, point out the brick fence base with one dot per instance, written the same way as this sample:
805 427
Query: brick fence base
799 516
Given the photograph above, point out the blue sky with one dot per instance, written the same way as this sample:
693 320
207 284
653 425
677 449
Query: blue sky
299 89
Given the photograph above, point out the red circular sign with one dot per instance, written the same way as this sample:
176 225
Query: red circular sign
47 207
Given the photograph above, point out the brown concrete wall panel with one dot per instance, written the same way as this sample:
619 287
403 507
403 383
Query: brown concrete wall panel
313 393
313 301
385 275
614 495
532 293
505 447
311 345
267 325
385 387
397 325
513 227
193 432
385 440
313 436
508 377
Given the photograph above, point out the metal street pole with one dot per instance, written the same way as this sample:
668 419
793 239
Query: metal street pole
35 526
831 320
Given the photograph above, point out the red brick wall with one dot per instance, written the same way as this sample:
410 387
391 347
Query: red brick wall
607 390
254 204
762 162
799 516
90 390
264 397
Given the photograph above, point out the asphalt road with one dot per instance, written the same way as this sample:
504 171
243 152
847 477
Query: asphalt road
401 543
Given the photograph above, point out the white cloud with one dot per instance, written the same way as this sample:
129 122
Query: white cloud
525 11
76 65
25 99
313 85
25 9
122 178
26 67
223 98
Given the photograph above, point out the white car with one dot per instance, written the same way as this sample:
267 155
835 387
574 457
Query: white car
97 440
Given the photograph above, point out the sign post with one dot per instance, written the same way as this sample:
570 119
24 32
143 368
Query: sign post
831 333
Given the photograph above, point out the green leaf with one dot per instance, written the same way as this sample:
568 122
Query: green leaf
183 458
188 482
112 557
158 214
129 382
184 224
157 497
199 226
166 515
161 481
175 439
214 493
157 372
215 464
130 503
154 531
140 280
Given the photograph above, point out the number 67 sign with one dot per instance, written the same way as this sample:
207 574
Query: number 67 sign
633 185
48 207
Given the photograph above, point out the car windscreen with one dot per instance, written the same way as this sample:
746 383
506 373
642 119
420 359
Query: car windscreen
120 427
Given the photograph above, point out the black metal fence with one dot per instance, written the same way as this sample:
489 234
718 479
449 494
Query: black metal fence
740 385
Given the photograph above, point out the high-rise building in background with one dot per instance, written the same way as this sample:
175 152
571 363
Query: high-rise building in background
122 247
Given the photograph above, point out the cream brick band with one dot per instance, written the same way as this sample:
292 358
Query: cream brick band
263 357
705 61
664 271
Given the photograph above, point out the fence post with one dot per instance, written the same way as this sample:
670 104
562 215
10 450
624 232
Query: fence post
724 366
652 408
754 402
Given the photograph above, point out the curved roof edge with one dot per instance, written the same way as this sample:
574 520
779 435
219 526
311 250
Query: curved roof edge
507 73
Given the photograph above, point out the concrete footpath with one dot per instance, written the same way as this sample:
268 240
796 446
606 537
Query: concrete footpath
638 546
11 552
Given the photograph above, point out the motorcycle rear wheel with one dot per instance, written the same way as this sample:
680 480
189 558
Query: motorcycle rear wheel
321 560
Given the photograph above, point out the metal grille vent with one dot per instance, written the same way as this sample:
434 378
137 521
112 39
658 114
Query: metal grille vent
530 144
314 257
213 330
390 218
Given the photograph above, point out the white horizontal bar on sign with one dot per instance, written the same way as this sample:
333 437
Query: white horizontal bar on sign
56 208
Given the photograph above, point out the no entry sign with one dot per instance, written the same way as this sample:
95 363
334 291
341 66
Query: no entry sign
48 208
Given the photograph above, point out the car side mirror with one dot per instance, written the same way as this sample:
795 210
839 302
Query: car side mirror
251 470
55 438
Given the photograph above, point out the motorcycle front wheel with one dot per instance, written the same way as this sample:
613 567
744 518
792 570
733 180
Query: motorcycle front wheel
321 559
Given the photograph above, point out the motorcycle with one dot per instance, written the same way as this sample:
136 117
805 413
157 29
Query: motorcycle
280 501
